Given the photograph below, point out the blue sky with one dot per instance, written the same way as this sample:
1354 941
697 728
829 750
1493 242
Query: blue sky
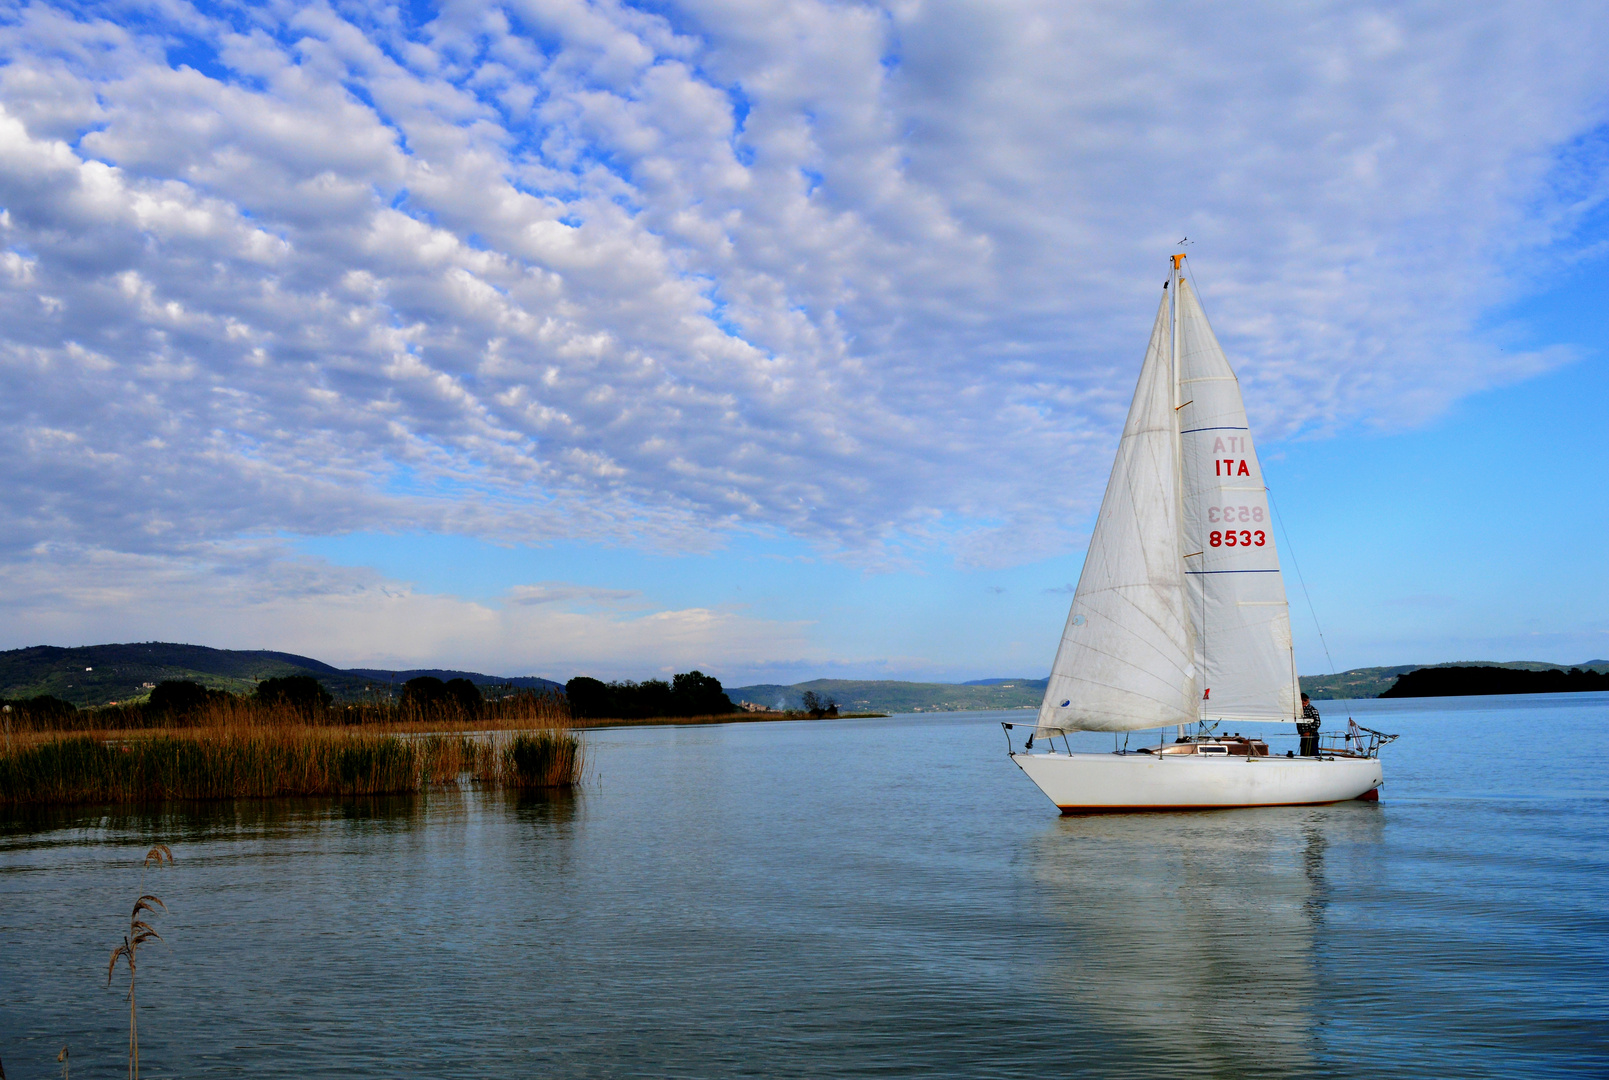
782 339
1479 535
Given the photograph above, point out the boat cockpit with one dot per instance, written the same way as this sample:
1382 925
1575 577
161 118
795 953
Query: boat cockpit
1212 746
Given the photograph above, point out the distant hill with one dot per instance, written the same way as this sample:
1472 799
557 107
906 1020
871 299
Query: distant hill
519 682
877 695
1375 681
98 674
1471 681
1357 683
889 696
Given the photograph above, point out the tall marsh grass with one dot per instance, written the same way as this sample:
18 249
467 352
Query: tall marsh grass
537 759
262 761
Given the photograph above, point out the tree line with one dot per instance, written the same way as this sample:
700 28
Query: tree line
176 701
181 701
691 694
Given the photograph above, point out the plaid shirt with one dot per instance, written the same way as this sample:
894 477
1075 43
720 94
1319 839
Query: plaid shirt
1308 724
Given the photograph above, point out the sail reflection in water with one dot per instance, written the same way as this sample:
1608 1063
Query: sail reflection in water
1198 941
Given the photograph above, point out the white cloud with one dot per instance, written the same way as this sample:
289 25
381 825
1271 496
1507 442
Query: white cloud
875 276
560 592
252 596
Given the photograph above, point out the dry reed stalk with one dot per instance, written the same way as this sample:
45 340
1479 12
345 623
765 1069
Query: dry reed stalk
139 932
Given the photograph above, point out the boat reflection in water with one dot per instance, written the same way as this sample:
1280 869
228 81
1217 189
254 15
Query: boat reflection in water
1202 941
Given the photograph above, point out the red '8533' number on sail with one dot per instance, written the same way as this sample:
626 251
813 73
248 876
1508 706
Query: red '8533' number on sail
1243 538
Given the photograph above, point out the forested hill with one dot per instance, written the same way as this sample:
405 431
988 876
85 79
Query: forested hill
1375 681
1469 681
98 674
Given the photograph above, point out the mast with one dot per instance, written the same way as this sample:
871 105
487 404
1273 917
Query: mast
1187 549
1173 350
1178 454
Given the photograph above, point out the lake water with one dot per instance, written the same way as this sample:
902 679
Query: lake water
849 898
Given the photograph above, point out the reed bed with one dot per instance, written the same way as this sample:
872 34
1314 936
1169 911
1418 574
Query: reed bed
537 759
260 761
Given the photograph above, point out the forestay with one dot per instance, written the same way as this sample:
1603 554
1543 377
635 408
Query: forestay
1236 594
1126 658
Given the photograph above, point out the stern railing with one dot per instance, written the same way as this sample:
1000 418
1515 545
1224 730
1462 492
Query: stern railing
1356 740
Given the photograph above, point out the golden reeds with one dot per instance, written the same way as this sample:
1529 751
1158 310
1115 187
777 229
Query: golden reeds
262 761
537 759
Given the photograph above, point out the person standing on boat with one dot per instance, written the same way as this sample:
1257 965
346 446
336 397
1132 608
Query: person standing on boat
1307 728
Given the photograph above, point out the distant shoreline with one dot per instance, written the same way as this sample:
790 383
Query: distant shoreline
93 676
722 718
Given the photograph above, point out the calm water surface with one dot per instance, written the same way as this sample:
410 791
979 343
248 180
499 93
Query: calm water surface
850 898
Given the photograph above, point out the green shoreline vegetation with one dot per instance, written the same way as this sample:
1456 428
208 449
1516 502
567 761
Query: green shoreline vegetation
186 741
290 737
297 731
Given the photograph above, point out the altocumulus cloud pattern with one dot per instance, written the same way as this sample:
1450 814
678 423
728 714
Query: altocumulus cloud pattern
868 275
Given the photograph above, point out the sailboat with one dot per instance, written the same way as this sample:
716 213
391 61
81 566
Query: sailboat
1179 621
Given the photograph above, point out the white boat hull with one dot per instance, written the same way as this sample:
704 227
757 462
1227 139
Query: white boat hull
1109 783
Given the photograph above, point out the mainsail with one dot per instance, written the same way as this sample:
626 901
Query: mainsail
1126 659
1180 611
1237 595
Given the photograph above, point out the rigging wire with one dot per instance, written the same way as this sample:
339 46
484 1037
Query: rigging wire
1203 303
1297 566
